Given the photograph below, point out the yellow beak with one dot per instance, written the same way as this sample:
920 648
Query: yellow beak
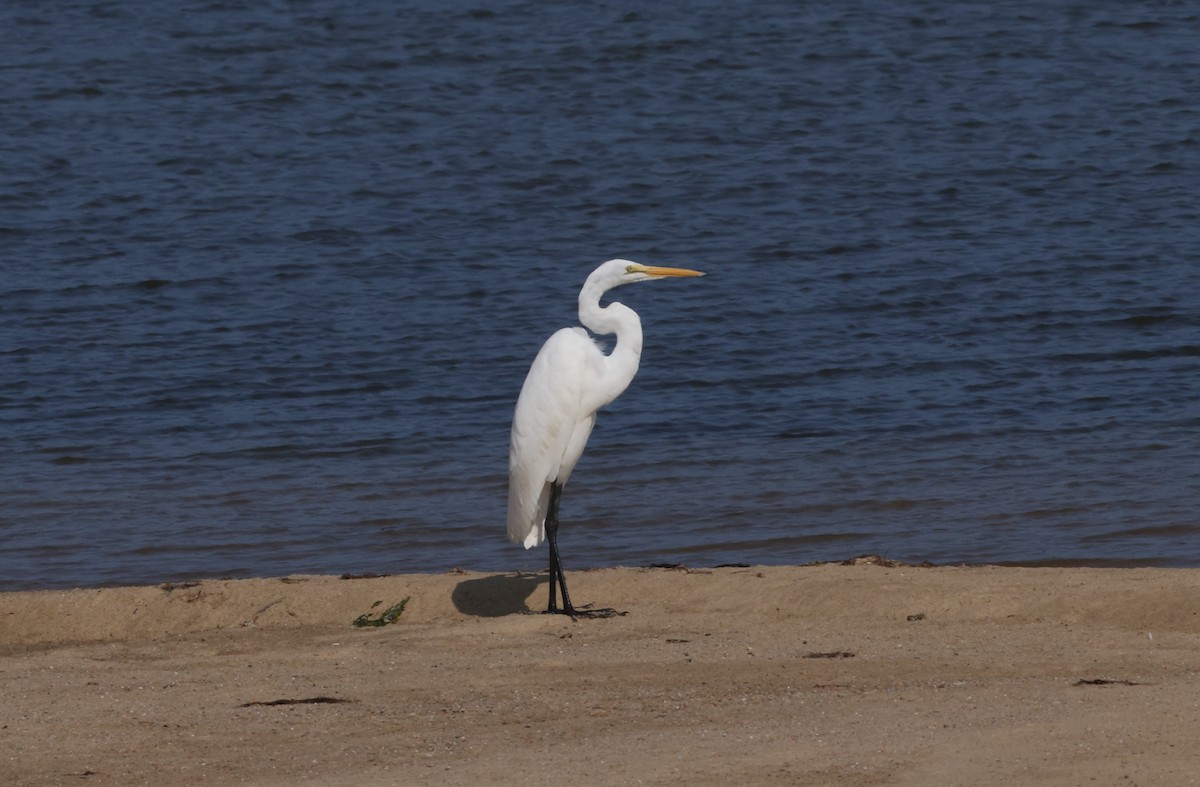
658 273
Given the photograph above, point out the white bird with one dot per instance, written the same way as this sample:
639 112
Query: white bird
570 379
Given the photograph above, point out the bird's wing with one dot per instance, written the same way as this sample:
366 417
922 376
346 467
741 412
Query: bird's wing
548 416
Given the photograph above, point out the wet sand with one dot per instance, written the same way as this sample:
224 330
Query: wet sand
830 674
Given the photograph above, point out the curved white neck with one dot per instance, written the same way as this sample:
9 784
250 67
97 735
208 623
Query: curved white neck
619 319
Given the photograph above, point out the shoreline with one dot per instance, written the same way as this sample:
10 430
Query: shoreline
835 673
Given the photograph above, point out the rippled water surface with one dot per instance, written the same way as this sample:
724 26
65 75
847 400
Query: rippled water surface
271 275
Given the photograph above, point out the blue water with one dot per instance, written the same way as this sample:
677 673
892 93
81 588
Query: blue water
271 275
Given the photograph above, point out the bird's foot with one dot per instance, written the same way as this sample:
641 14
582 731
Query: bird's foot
586 611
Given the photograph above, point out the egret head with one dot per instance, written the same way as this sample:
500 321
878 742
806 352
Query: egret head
618 272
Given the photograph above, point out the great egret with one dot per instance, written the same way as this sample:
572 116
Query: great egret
570 379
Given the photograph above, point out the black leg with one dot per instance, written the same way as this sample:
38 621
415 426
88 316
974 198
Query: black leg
557 578
552 537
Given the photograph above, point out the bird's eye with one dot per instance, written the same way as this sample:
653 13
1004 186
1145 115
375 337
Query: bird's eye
631 269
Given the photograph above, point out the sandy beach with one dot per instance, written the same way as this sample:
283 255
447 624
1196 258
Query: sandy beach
836 674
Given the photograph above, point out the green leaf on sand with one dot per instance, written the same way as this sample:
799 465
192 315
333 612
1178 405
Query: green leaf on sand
389 615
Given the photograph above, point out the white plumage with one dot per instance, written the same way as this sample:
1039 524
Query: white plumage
570 379
550 428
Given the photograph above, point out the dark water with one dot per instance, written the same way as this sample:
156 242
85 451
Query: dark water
271 275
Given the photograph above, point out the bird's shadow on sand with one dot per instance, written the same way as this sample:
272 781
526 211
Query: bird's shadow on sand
497 595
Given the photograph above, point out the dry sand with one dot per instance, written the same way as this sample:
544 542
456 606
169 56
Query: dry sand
831 674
